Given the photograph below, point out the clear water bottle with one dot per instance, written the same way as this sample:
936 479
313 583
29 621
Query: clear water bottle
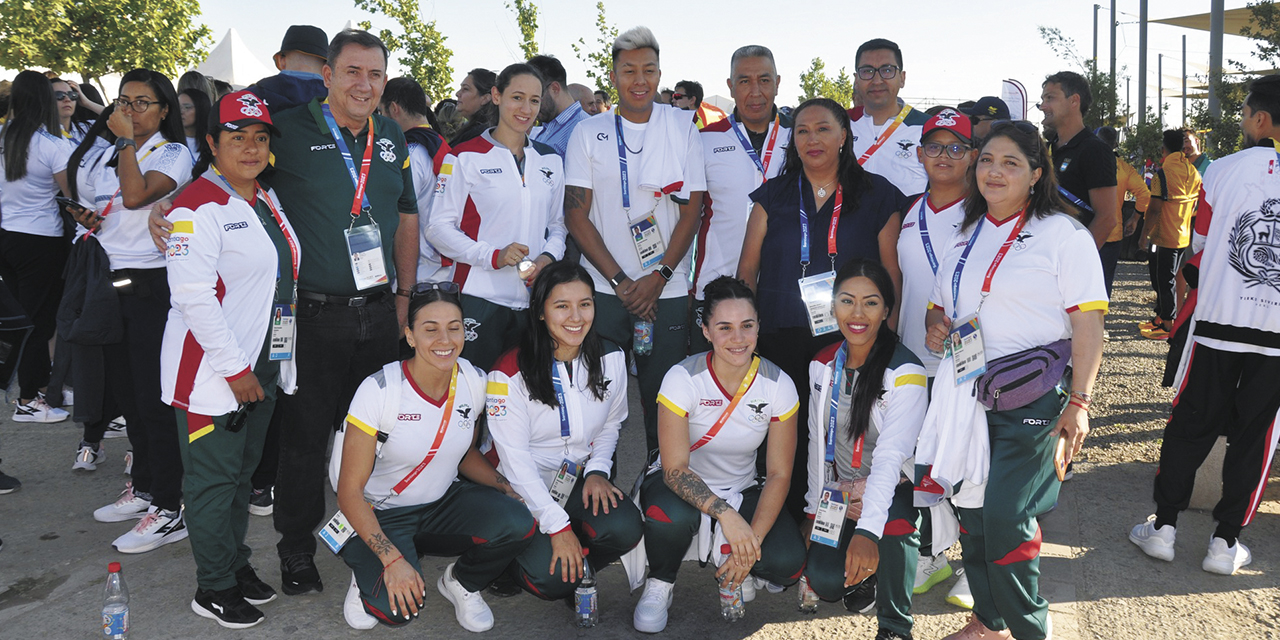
584 599
808 599
642 341
732 608
115 605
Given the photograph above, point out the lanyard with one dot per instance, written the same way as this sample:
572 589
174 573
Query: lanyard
831 231
884 135
763 166
435 446
622 165
560 400
288 237
360 202
1077 201
836 374
924 235
724 415
995 264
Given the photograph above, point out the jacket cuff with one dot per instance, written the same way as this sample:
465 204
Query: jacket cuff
596 472
233 378
562 530
866 534
494 260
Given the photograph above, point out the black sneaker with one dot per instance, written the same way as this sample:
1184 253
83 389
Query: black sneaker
262 501
298 575
9 484
252 588
505 586
862 597
227 607
885 634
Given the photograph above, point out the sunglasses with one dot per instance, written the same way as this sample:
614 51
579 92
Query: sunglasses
423 288
237 420
679 96
66 95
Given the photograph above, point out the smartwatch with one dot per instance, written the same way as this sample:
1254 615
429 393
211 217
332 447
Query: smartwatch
665 271
121 143
616 280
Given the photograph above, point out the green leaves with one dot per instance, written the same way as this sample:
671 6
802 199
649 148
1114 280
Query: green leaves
600 61
814 83
421 46
527 20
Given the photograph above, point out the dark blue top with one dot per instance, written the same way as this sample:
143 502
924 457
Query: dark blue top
285 91
778 289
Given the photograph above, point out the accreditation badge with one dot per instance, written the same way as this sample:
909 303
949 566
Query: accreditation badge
815 291
336 532
563 482
282 331
368 266
968 355
828 522
648 240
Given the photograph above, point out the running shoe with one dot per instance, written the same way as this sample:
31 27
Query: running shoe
975 630
89 456
262 501
8 484
885 634
129 506
468 607
252 587
226 607
353 610
861 598
931 571
1156 542
298 575
156 529
651 612
38 411
116 429
959 595
1157 332
1224 559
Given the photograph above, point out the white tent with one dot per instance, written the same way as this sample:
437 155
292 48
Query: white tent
724 104
231 61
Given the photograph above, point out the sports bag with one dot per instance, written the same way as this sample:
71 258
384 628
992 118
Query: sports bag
1018 379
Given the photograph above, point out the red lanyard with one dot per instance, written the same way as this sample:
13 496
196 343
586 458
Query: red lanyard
288 237
884 136
358 200
724 415
835 223
435 446
1004 248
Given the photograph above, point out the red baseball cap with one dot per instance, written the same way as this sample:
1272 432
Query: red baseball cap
242 108
949 120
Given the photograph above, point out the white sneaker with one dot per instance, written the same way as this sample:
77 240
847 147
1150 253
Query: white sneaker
1223 559
353 609
470 609
959 595
931 571
116 429
156 529
749 588
128 462
1157 543
651 611
87 458
127 507
38 411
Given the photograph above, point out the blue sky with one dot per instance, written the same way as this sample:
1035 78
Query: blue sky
952 50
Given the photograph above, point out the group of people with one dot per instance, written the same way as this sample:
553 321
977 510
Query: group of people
312 255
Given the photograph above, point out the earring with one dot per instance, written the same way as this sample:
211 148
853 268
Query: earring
1033 189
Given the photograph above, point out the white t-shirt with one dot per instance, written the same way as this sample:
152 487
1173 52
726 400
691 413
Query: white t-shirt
917 272
527 432
896 159
1052 269
28 204
413 435
194 147
727 464
424 183
124 233
591 162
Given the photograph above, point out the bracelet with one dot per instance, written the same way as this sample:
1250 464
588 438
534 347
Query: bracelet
404 293
393 561
1083 407
1084 397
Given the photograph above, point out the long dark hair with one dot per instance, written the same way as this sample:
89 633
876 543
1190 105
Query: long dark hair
171 125
203 107
869 386
537 347
853 178
1045 200
99 129
31 106
82 115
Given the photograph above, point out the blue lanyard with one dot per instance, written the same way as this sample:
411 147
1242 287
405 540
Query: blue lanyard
1077 201
924 235
955 277
622 164
564 406
836 374
346 153
831 233
751 151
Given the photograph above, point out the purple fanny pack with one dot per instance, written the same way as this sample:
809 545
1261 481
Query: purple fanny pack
1018 379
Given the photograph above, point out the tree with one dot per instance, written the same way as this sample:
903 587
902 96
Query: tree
1264 29
421 45
814 83
1221 136
97 37
1101 85
527 19
841 89
599 62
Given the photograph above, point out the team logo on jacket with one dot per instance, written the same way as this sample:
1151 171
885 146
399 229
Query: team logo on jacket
249 105
388 153
711 402
757 414
904 148
470 325
1254 246
547 175
1019 243
409 417
231 226
723 149
465 419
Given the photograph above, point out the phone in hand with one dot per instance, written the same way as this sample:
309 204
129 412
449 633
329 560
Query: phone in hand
1060 458
70 205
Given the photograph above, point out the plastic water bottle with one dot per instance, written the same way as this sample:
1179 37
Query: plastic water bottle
115 605
584 599
808 599
642 342
732 608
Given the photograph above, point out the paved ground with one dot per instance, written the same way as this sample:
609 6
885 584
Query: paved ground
54 559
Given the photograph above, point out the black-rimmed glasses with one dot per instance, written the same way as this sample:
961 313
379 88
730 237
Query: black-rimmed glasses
138 106
954 151
888 71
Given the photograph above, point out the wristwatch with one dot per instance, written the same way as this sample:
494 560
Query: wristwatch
121 143
616 280
665 271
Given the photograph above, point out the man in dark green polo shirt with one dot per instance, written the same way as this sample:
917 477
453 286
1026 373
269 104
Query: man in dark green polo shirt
347 327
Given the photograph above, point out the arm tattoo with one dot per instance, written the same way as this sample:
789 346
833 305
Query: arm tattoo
380 545
501 479
575 198
693 490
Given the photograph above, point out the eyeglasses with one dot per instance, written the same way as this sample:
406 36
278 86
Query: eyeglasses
888 72
236 422
66 95
954 151
138 106
187 107
423 288
678 96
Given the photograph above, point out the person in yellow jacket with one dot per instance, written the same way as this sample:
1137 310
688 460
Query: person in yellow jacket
1174 191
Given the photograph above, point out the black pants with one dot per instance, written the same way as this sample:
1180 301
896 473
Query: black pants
1164 272
337 347
132 377
792 350
1223 393
31 267
1110 254
264 476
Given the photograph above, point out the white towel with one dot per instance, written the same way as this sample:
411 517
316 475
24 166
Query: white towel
665 159
954 439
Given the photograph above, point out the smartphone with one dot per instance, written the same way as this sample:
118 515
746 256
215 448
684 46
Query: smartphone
68 203
1060 459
